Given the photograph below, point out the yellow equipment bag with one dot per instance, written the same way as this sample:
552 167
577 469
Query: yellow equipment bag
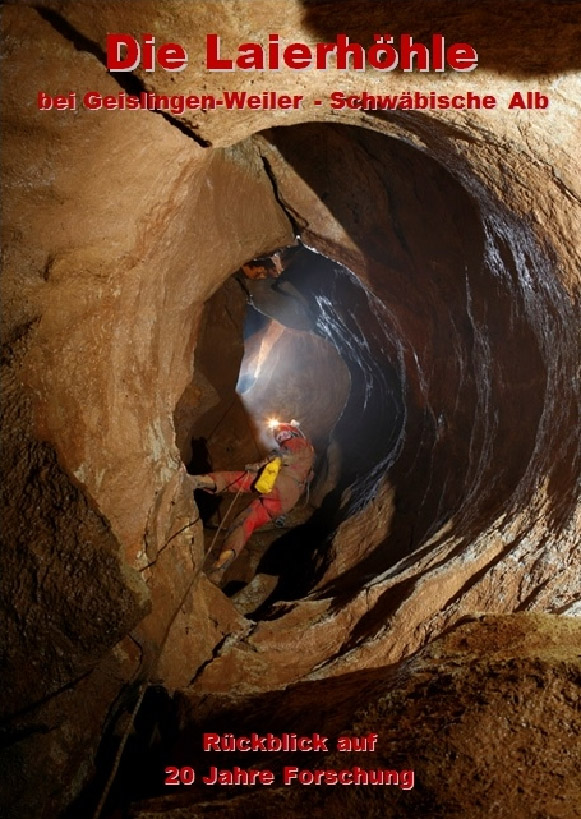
268 476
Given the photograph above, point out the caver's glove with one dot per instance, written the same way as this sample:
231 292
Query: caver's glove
202 482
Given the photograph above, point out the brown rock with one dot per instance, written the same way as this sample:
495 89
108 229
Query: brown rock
462 227
486 717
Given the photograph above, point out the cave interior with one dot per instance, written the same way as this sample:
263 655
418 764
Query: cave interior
407 289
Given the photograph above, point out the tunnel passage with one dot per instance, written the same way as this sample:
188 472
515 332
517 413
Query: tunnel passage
447 374
456 328
315 350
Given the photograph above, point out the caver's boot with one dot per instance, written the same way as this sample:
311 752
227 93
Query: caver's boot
225 559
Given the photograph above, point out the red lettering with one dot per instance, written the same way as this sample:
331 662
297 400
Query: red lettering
172 776
43 101
213 61
234 99
172 57
273 63
407 780
148 63
517 101
288 774
337 100
297 55
323 51
541 101
211 742
438 61
187 776
462 57
251 57
92 101
344 49
272 744
372 740
114 43
320 743
409 49
382 55
383 46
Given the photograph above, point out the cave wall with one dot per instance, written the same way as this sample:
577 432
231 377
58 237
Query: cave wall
209 416
103 224
155 247
115 235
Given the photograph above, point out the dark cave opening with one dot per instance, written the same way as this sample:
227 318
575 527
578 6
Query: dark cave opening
315 349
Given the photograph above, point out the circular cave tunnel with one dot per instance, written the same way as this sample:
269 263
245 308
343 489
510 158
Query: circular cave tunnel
418 334
422 377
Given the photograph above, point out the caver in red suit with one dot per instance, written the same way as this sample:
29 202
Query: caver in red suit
297 456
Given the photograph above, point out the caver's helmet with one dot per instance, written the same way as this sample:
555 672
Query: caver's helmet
285 431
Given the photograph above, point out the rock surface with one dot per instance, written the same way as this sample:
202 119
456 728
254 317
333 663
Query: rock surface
460 229
486 717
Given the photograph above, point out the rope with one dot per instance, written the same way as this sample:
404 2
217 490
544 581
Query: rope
145 685
223 521
120 750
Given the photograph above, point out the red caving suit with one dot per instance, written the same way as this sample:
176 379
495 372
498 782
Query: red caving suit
297 465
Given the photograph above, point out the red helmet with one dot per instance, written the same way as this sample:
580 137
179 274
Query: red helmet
284 432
